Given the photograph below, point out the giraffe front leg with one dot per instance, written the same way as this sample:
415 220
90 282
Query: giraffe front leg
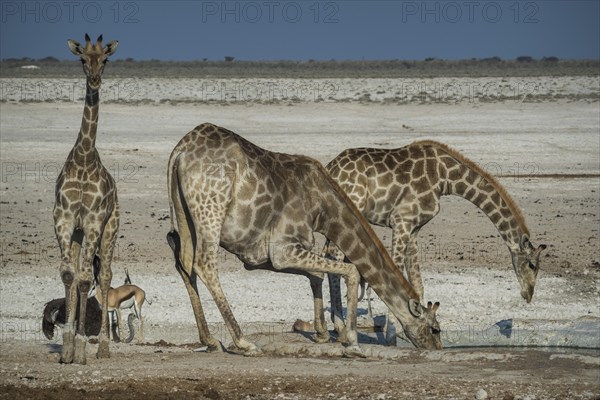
107 246
69 249
316 284
412 266
295 256
400 239
335 294
85 275
332 252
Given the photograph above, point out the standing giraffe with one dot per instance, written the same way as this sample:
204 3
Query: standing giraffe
401 188
264 207
86 208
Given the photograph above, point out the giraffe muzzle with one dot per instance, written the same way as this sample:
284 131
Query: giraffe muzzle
95 81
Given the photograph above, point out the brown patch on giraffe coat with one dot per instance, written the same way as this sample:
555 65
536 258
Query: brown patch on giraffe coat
460 187
495 217
428 201
488 208
420 185
245 193
480 199
385 179
418 169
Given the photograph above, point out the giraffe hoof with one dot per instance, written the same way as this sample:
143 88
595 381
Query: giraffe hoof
255 352
214 348
66 358
79 357
103 351
354 352
322 337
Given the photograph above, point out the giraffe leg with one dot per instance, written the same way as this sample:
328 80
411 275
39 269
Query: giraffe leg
107 246
400 239
204 334
335 294
297 257
185 257
316 284
84 281
332 252
413 270
69 249
206 269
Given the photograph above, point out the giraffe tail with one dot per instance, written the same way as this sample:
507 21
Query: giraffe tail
171 190
363 283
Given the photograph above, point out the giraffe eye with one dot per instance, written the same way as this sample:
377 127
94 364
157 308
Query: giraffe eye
435 331
531 265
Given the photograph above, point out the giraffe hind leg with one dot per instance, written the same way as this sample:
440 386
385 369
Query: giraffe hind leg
190 284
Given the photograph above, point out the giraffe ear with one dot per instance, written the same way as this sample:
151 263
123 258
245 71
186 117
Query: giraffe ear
524 242
415 308
111 48
75 47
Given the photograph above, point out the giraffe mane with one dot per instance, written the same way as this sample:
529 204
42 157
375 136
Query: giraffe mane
506 197
370 232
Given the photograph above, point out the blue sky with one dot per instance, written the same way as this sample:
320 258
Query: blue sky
305 29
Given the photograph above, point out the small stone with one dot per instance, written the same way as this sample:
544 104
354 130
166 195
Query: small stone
481 394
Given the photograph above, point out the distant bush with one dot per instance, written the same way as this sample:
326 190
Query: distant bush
491 59
49 59
229 58
524 59
550 59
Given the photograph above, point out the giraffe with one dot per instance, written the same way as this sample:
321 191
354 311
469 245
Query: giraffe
264 207
401 188
86 208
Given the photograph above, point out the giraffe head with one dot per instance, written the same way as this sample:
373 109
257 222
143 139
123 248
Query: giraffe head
424 330
526 262
93 57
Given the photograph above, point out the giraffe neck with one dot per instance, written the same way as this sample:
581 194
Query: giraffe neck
85 146
342 223
490 197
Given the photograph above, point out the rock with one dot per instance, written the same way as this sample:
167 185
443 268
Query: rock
481 395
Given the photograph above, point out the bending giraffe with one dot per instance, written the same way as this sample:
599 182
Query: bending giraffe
401 189
264 207
86 212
